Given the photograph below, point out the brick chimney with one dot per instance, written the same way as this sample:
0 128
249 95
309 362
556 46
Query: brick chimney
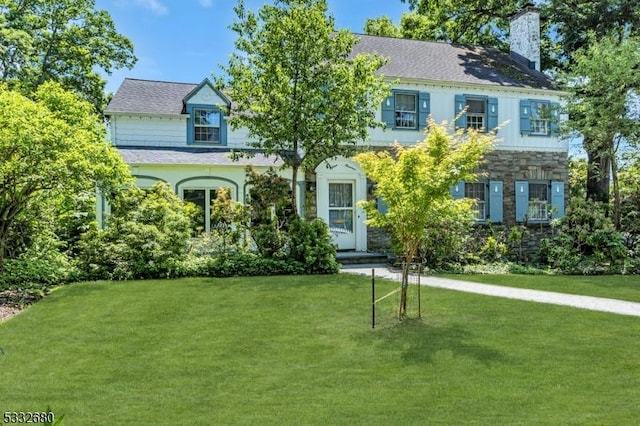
524 34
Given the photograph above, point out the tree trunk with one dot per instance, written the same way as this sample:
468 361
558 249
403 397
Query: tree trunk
294 179
616 190
598 174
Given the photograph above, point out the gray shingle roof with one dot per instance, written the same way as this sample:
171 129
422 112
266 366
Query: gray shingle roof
147 96
437 61
192 156
412 59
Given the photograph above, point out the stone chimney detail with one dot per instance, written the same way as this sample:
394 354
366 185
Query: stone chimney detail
524 34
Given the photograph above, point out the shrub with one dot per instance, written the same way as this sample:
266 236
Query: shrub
147 235
586 241
311 244
446 237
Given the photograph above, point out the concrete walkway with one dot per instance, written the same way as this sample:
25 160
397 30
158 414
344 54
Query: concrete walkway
584 302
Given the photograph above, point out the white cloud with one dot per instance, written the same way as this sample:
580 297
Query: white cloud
206 3
154 5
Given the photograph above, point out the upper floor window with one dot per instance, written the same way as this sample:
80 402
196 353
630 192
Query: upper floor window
406 109
206 124
476 112
538 117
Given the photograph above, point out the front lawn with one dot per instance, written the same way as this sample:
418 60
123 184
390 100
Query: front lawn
300 350
622 287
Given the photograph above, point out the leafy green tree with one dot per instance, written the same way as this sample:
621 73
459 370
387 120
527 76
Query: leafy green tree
53 146
67 41
382 26
415 184
601 81
296 87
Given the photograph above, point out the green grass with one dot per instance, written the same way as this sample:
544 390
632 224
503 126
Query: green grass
622 287
300 350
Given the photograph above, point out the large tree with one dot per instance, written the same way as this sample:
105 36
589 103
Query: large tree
67 41
415 183
53 146
602 81
295 85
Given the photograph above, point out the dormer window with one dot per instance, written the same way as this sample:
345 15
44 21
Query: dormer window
206 124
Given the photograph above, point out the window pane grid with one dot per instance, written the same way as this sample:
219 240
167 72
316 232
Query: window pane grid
475 121
206 125
538 201
405 110
476 191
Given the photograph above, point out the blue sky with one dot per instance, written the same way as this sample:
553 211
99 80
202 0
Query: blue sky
186 40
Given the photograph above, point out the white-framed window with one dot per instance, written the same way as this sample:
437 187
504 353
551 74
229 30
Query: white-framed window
540 118
538 201
202 198
405 110
477 191
206 125
476 113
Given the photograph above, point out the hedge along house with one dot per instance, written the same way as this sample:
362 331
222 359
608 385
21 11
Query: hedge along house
177 133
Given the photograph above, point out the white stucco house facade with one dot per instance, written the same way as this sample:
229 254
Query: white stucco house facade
176 132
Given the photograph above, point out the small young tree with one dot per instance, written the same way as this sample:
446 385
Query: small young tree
415 184
295 86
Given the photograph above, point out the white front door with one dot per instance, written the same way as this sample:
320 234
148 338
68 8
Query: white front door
342 213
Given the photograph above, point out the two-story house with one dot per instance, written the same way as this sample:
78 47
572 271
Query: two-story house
176 132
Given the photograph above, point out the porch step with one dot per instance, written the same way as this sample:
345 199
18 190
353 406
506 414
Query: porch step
360 257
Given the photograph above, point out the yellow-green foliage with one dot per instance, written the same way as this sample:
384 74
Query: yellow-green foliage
414 181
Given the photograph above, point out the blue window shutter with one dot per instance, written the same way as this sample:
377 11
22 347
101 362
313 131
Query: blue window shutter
492 114
424 109
525 116
557 199
388 111
460 104
223 128
457 190
522 200
383 208
554 107
495 201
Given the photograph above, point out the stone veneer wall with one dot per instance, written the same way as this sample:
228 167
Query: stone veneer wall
506 166
512 166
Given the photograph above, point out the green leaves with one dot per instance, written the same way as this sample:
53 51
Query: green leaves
63 40
414 181
295 86
52 147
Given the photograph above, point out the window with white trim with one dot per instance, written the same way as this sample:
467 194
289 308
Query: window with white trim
540 118
206 125
405 110
538 202
477 191
476 110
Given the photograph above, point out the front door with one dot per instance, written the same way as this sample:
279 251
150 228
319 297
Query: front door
341 213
